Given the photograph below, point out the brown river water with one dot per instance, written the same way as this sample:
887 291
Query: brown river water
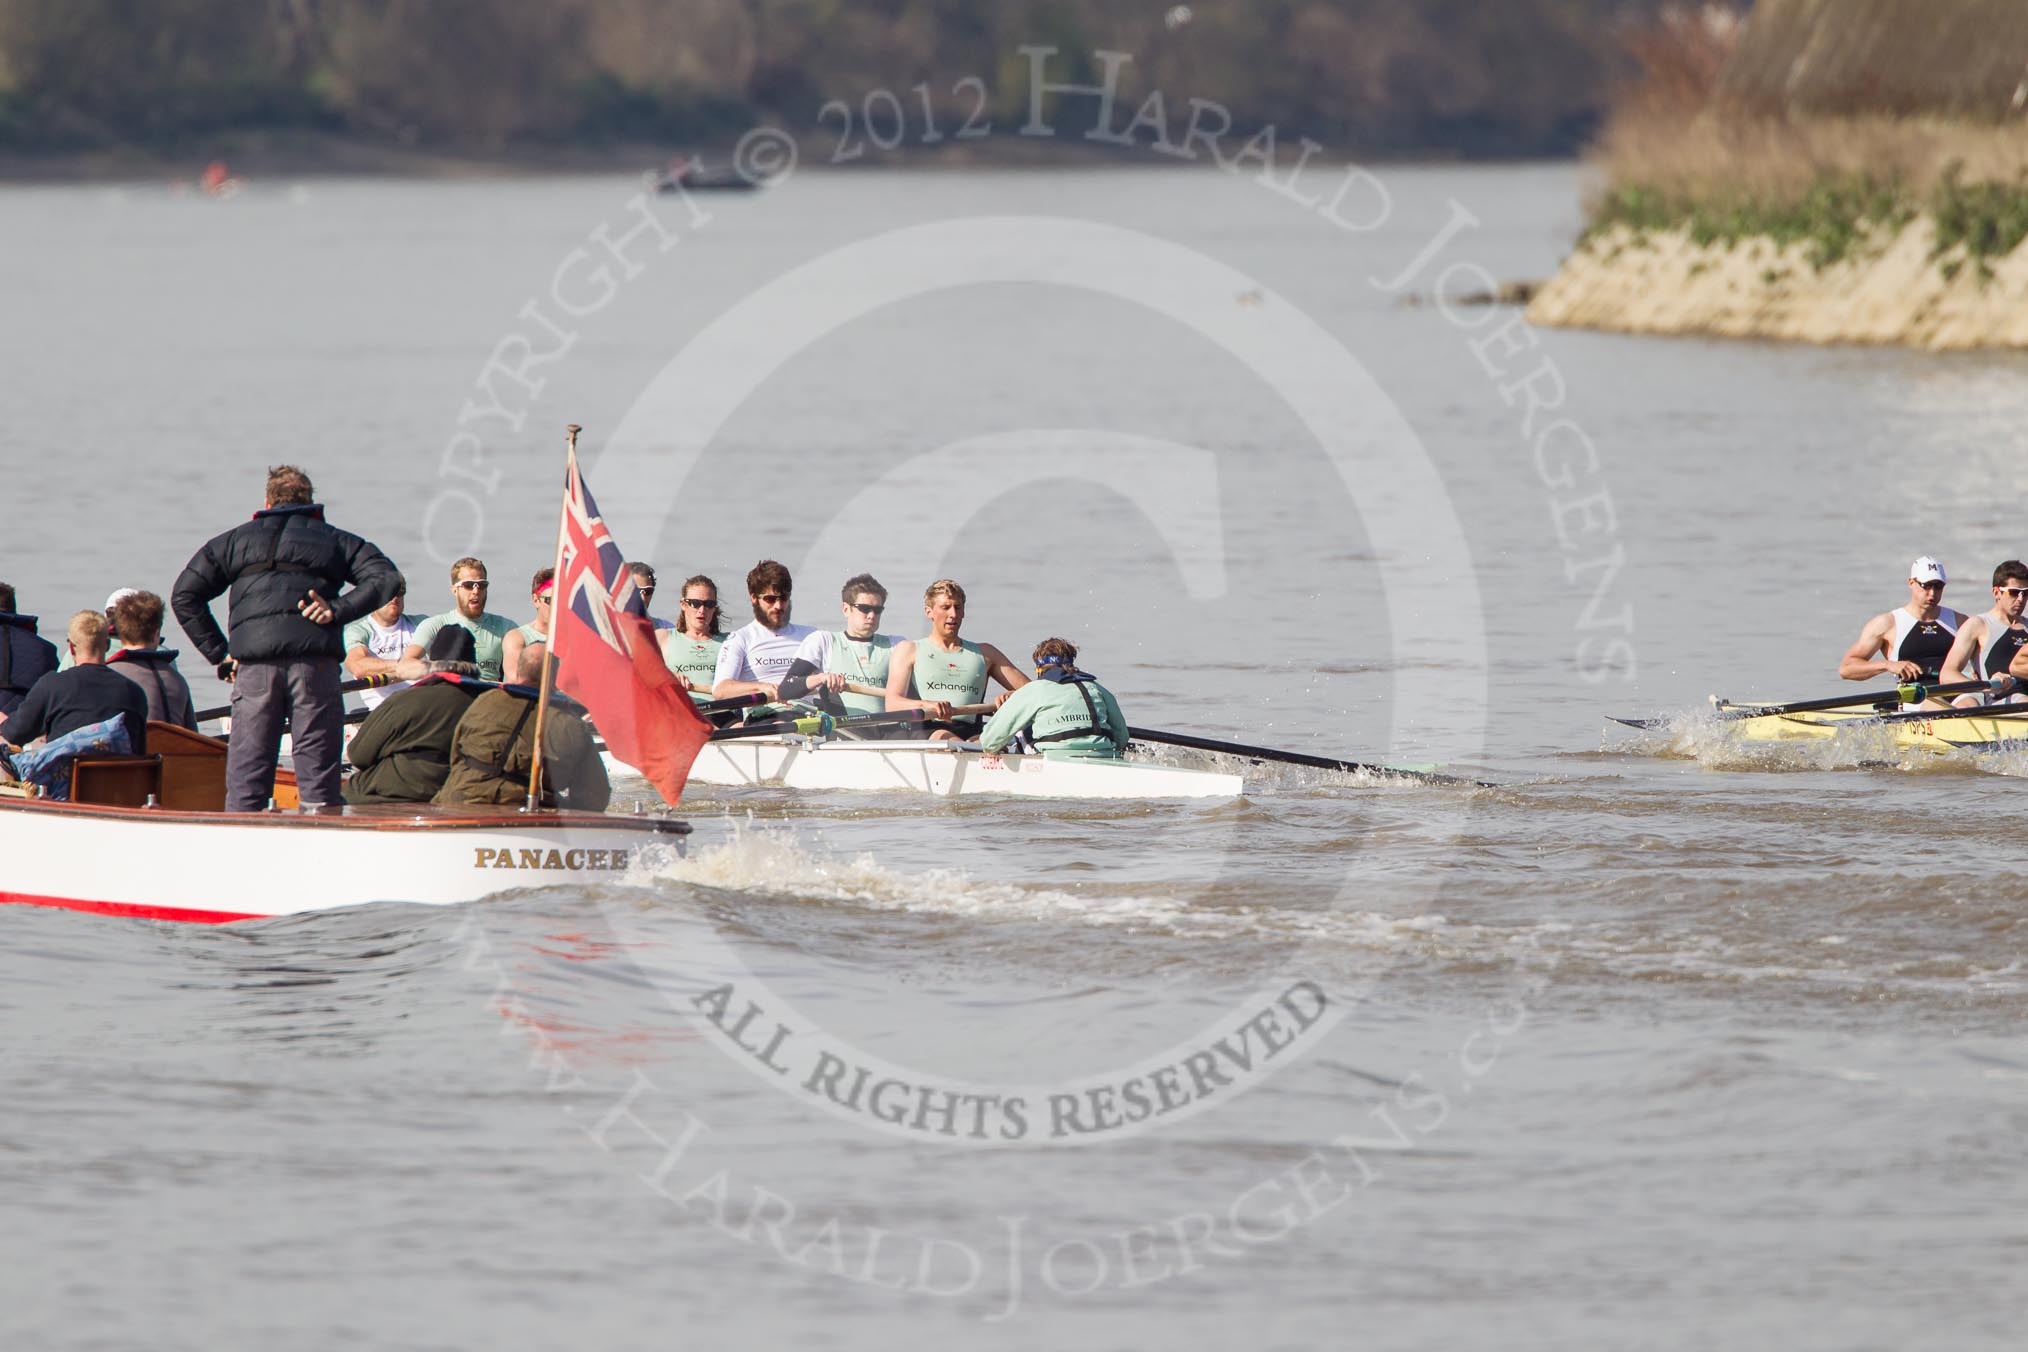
1632 1048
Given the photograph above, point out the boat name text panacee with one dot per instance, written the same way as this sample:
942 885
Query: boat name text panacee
574 861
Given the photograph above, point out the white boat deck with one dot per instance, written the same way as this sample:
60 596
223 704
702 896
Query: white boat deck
941 768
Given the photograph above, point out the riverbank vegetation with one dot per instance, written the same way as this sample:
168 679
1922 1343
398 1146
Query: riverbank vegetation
1457 77
1830 123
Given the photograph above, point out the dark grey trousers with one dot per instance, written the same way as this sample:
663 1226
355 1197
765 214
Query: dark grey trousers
304 694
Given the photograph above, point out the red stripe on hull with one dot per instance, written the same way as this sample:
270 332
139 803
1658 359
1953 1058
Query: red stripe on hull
128 910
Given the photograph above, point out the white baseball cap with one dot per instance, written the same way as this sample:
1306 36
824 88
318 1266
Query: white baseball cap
1925 569
121 595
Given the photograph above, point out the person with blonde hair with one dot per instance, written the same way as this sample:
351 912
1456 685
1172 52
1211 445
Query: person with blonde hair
81 695
118 595
944 670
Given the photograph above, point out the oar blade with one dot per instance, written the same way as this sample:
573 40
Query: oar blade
1266 753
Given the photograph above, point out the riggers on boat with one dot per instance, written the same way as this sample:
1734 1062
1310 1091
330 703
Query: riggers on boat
943 768
146 836
1915 730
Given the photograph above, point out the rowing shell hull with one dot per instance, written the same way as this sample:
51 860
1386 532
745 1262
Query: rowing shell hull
214 867
1925 734
938 768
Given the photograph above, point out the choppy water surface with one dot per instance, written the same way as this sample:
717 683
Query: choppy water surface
1632 1048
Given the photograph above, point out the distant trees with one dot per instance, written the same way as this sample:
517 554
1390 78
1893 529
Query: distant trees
1476 76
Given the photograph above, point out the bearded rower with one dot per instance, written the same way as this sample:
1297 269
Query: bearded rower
757 656
1986 644
944 670
830 660
1908 643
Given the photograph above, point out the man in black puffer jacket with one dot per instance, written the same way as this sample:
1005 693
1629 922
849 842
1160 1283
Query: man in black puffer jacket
286 569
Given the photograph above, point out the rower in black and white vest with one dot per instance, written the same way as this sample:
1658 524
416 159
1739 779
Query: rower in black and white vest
1986 644
1908 643
830 660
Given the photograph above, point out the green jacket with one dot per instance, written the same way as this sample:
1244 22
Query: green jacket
495 744
402 752
1046 710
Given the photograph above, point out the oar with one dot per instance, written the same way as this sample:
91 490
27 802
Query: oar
811 725
712 706
1912 693
719 706
1905 694
364 683
957 710
815 725
2005 713
1296 758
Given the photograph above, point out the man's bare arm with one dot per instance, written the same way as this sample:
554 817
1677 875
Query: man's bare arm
1867 659
900 668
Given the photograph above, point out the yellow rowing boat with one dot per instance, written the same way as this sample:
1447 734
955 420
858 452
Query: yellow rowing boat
1909 731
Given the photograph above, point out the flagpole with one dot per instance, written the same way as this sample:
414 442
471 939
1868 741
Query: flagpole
550 658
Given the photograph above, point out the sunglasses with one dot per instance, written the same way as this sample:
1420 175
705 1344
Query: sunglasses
469 585
646 592
696 604
772 598
2013 591
874 611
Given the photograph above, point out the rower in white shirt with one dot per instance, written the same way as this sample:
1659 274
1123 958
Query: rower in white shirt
374 643
831 660
756 657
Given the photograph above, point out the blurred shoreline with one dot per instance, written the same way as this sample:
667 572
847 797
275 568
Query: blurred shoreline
261 156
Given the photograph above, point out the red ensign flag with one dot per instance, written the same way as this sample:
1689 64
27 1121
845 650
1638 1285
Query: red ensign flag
606 655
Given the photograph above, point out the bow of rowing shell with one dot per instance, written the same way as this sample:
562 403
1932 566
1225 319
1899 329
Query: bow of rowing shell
221 866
